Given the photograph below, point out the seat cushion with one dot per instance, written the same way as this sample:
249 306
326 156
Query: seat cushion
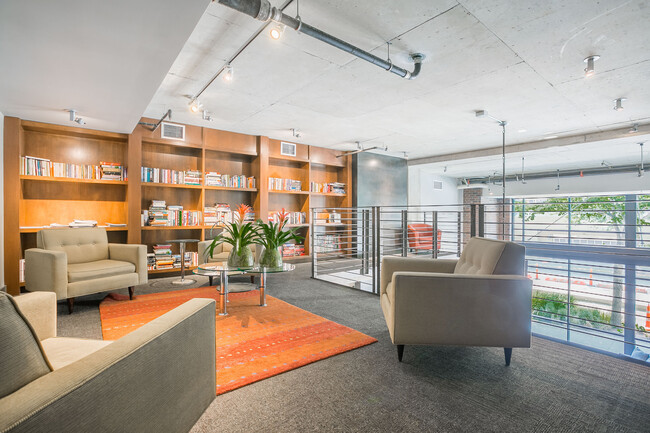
62 351
22 359
99 269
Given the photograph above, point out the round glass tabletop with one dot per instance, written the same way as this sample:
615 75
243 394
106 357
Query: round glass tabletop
213 267
178 241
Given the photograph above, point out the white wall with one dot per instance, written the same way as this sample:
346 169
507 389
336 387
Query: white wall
608 183
421 192
2 209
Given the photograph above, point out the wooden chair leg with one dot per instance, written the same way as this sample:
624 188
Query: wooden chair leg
400 352
131 289
70 305
508 353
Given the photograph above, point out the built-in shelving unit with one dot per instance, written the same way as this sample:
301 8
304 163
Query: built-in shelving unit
43 200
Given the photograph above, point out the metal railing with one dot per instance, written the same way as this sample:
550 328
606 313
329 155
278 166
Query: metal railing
588 257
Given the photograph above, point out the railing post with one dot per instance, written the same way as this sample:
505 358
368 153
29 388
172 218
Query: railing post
434 221
365 232
481 220
404 233
374 250
630 274
377 268
459 232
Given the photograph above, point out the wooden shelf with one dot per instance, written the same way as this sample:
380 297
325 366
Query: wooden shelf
273 191
173 227
328 194
171 185
72 180
229 188
36 229
169 271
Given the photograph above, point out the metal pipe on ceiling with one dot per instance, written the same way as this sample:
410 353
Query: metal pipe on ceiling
563 173
263 11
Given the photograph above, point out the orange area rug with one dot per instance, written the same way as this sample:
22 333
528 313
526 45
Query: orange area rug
252 342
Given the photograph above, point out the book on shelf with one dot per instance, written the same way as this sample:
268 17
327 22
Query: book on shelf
331 187
115 225
83 223
293 218
112 171
168 176
327 243
279 184
291 249
151 261
227 180
161 215
33 166
21 270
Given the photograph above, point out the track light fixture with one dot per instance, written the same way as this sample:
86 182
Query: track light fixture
206 116
276 31
74 118
589 70
228 72
295 133
618 104
634 129
641 171
195 106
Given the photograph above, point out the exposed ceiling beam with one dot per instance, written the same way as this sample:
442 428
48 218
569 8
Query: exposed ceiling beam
613 134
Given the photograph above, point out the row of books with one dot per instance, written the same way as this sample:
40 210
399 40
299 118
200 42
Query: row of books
32 166
174 177
327 243
229 180
331 187
161 215
292 217
279 184
162 258
221 214
292 250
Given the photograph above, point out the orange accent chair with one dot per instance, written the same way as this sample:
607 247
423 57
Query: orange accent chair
420 237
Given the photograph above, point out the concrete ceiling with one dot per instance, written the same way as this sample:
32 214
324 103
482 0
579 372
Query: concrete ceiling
106 59
520 61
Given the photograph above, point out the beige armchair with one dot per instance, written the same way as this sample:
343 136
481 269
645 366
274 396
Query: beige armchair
481 299
79 261
153 379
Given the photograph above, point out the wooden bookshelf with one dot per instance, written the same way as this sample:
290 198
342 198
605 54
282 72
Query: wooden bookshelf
43 200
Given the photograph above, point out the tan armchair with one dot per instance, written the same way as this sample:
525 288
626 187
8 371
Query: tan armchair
79 261
481 299
153 379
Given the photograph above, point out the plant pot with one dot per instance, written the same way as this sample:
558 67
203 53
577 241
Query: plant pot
271 258
241 257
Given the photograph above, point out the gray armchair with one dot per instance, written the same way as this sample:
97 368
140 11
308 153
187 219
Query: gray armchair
79 261
481 299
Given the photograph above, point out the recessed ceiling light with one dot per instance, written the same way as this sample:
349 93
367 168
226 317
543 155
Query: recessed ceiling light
618 104
589 70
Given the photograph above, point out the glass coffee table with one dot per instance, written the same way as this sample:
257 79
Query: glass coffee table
222 270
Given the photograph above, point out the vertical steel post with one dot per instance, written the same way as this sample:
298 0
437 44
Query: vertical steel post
434 220
365 232
472 220
374 250
313 244
523 221
630 274
404 233
481 220
459 235
377 267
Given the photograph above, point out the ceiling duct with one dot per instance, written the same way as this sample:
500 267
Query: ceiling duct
263 11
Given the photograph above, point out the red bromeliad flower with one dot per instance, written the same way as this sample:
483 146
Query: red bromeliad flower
283 216
241 211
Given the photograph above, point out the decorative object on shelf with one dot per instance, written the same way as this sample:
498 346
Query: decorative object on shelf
272 237
240 234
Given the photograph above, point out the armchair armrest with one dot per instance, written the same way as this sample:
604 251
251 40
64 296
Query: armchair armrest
137 383
390 265
136 254
46 271
39 308
203 249
458 309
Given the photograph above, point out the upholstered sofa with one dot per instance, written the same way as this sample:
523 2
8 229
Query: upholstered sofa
159 378
481 299
79 261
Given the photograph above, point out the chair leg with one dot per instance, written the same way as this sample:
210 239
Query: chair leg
131 289
252 279
508 353
400 352
70 305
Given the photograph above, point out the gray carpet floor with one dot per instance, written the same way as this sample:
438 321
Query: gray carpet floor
550 387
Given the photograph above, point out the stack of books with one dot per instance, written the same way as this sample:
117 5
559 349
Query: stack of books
212 178
179 217
210 215
292 217
83 223
332 187
192 177
151 261
111 171
163 256
292 250
278 184
327 243
157 214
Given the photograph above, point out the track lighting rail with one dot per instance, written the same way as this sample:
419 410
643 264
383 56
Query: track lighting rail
153 126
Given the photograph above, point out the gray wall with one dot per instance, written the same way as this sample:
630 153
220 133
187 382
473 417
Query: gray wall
2 212
379 180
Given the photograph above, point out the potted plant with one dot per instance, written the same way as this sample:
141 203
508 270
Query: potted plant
240 234
271 236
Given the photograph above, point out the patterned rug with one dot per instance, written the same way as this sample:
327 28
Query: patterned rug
252 342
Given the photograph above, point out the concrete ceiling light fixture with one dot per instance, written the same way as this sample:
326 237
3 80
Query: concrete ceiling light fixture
263 11
589 70
228 73
195 105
